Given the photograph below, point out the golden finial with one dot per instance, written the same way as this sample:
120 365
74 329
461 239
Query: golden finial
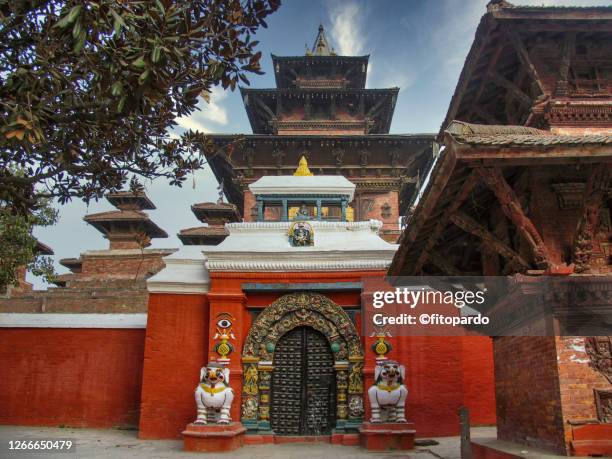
302 170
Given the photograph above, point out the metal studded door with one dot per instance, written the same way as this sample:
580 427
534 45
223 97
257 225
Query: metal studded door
303 395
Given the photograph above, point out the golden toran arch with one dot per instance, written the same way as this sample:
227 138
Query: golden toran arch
286 313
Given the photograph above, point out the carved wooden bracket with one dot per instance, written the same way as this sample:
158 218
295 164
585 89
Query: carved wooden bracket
511 207
595 192
466 190
469 225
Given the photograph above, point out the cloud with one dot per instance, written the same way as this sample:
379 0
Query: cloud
347 28
213 112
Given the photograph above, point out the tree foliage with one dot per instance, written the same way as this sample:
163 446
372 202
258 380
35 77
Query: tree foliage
18 247
90 89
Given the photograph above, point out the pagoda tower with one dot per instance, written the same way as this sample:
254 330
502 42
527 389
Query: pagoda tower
321 109
128 227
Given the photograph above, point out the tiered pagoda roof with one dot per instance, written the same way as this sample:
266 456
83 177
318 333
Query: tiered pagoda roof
128 227
320 108
317 92
537 66
215 215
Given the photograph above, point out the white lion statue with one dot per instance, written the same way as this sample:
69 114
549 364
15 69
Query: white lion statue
213 395
388 394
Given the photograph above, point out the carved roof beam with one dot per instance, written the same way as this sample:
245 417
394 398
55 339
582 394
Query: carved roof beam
265 107
468 186
471 226
510 204
441 262
471 65
596 191
569 45
524 58
511 87
485 115
485 81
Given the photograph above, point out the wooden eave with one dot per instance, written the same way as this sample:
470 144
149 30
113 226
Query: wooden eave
260 124
286 61
453 167
498 49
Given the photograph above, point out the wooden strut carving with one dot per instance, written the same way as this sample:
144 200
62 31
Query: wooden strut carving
468 186
511 207
594 194
469 225
523 56
441 262
599 350
569 42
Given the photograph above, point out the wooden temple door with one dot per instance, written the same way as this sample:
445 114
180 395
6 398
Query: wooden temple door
303 397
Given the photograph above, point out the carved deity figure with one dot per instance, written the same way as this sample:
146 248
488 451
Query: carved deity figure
300 234
213 395
388 394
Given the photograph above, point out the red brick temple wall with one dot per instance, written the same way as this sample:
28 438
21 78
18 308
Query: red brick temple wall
71 377
444 373
175 350
578 379
527 391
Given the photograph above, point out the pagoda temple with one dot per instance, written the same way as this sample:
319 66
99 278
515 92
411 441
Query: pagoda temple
523 189
321 109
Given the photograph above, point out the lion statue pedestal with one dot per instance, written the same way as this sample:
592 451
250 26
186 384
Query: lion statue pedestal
388 428
213 429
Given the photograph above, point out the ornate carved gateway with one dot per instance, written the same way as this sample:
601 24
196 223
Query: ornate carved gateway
301 357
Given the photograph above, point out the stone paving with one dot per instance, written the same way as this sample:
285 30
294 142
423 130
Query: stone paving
111 443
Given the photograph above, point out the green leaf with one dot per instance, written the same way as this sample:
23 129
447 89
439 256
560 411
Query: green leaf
156 54
69 18
76 29
121 104
139 63
118 22
116 88
143 77
78 46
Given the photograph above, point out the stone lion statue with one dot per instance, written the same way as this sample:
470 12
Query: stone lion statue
213 395
388 394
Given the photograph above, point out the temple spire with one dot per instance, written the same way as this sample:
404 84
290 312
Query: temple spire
302 170
321 45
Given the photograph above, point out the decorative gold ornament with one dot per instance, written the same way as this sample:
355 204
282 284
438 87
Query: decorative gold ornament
288 312
251 376
224 333
302 170
356 379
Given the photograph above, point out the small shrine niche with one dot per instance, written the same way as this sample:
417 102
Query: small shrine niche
303 197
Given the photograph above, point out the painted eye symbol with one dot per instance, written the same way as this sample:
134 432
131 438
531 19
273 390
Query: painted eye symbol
224 323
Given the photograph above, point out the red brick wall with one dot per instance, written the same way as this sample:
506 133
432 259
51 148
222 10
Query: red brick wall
72 377
577 381
175 350
527 391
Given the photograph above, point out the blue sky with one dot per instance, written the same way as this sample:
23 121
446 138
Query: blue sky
417 45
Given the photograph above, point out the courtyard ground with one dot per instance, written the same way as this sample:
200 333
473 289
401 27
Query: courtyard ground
111 443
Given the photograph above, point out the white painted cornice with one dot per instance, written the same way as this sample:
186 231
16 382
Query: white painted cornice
53 320
185 272
303 185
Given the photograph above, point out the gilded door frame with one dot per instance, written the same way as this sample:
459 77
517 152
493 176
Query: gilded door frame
286 313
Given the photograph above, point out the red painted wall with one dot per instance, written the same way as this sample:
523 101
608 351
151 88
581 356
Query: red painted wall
479 379
175 350
72 377
443 373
